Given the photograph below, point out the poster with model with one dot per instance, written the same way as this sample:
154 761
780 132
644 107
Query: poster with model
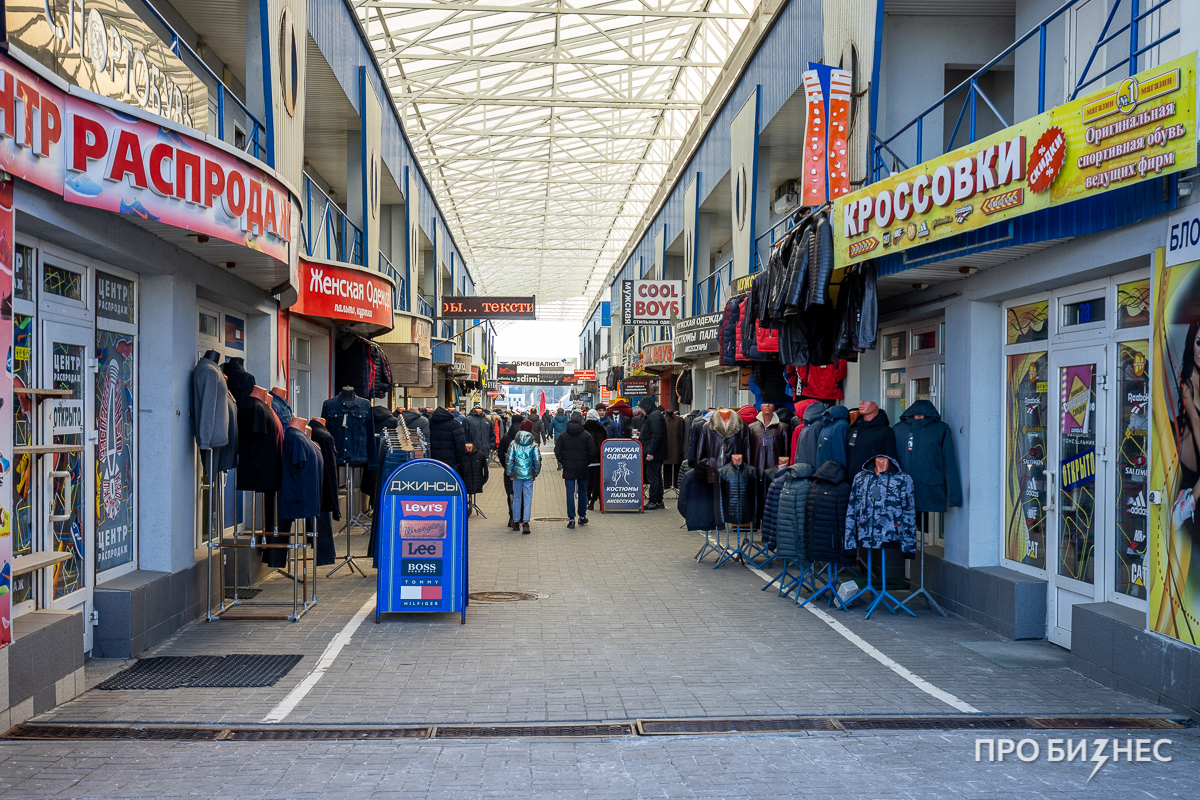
1175 451
7 234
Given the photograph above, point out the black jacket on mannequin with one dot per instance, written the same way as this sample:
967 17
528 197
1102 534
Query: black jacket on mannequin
926 452
828 496
260 460
739 486
447 438
869 438
350 422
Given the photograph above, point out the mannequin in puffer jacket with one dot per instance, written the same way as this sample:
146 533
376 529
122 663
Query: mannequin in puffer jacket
766 513
807 432
739 485
474 469
791 513
828 498
881 509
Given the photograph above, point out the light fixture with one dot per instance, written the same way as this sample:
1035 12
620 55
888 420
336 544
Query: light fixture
920 285
227 264
968 270
1184 188
198 238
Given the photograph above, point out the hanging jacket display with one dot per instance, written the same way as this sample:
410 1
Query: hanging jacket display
473 468
768 442
727 333
683 388
695 426
769 526
831 442
857 315
362 364
881 509
807 434
303 471
868 438
819 382
791 514
925 450
351 423
828 499
739 488
210 416
676 437
259 451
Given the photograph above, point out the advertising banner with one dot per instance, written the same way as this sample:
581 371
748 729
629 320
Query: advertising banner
1174 569
102 158
489 308
659 354
422 547
1139 128
346 293
639 387
7 235
620 475
626 302
657 302
697 336
115 520
585 375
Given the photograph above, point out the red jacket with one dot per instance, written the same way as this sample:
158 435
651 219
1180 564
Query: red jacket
819 383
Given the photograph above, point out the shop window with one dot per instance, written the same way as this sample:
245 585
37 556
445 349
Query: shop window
115 518
894 391
25 477
1025 478
1083 312
1028 323
1132 467
235 332
925 340
894 348
301 387
62 282
1133 304
1076 501
210 325
23 272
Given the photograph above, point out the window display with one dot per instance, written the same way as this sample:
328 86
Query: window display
1025 495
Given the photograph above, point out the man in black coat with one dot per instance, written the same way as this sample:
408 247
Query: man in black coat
575 449
654 449
447 439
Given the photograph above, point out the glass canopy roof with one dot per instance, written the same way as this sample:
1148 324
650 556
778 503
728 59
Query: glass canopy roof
546 127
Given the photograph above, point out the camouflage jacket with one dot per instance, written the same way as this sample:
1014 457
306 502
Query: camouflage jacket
882 510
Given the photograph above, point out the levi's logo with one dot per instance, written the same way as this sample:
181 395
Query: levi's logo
424 508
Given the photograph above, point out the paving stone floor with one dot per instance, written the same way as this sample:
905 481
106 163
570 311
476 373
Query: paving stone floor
629 627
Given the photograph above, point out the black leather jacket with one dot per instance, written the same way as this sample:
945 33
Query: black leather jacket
820 262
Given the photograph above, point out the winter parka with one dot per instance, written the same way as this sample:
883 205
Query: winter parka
480 431
416 423
473 468
869 438
925 450
806 433
739 488
696 502
791 514
676 437
881 510
770 506
447 438
831 442
523 461
558 425
575 449
828 497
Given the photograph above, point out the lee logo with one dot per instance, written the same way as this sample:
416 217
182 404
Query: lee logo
424 508
421 567
411 549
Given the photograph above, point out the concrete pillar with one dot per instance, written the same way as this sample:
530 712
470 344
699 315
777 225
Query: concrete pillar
166 451
762 203
973 409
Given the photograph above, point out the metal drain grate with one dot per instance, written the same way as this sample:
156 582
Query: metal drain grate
1113 723
322 734
501 597
550 519
36 731
932 723
65 732
243 594
667 727
210 672
526 731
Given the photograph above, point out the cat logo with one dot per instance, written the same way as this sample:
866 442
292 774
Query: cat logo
1137 574
1032 550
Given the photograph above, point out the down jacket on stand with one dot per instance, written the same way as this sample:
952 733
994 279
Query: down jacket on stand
926 451
828 498
696 503
474 470
768 508
791 514
881 509
739 486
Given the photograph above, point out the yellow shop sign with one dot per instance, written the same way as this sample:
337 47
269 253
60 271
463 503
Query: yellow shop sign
1139 128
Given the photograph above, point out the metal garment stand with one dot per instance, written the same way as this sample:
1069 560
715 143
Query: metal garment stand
214 543
473 506
734 550
882 595
788 581
349 559
831 583
921 590
708 546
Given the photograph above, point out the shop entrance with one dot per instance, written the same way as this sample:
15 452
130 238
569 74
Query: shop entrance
1078 486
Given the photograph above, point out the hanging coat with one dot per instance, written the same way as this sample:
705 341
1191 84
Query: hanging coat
925 450
882 510
696 502
719 441
739 487
831 442
791 520
676 438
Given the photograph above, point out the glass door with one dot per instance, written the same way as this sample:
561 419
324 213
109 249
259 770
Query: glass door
1077 483
68 521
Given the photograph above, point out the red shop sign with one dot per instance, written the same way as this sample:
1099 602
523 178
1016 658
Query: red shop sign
117 161
344 293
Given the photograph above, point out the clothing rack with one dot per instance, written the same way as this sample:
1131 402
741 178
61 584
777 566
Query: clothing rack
798 223
351 521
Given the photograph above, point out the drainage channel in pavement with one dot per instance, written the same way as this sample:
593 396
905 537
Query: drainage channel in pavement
644 727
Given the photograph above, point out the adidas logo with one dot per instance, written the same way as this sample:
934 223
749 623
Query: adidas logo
1137 505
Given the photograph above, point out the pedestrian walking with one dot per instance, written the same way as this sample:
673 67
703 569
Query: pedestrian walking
558 425
523 464
653 437
506 441
575 450
599 433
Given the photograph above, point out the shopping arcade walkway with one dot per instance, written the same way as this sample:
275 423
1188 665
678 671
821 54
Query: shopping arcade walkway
629 627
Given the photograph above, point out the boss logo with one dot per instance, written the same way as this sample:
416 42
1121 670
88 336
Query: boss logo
421 567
